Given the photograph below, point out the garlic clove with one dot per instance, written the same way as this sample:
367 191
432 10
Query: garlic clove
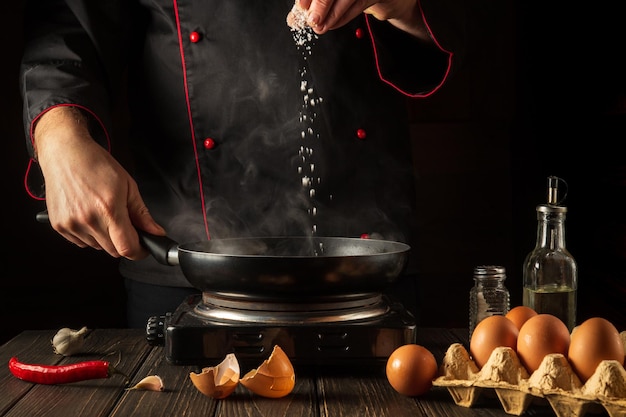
149 383
218 381
275 378
68 341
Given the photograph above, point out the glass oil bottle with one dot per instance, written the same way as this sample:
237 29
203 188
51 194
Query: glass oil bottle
550 272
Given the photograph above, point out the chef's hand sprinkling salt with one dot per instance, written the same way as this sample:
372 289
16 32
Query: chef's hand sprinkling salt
297 17
68 342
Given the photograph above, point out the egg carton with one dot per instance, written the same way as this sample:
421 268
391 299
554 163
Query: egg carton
554 383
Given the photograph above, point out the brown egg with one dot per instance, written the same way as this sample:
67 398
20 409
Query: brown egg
518 315
218 381
539 336
411 369
275 377
490 333
593 341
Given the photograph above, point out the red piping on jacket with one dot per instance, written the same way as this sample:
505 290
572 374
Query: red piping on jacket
395 87
193 134
32 140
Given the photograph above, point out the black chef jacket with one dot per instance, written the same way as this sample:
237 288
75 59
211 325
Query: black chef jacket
238 128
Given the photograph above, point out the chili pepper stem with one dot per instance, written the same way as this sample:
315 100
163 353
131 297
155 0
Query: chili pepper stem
113 371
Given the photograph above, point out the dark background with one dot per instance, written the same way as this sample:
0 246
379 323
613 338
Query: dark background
536 90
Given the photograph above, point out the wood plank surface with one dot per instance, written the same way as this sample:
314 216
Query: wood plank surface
319 392
27 346
179 393
299 403
358 395
125 349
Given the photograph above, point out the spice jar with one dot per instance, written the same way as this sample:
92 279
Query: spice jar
489 296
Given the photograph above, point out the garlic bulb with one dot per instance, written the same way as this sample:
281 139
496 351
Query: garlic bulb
150 383
68 342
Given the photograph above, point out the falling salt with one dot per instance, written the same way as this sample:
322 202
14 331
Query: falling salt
304 39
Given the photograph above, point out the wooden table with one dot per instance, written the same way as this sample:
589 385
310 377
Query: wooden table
317 392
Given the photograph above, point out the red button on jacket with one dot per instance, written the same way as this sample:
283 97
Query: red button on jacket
209 143
194 37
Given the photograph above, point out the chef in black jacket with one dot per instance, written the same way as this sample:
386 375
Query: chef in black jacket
238 125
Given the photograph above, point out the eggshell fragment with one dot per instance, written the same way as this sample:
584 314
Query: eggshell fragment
218 381
274 378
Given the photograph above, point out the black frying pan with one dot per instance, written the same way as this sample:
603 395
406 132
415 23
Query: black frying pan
279 266
282 266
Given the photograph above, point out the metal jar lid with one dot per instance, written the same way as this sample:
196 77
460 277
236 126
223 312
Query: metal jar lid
494 271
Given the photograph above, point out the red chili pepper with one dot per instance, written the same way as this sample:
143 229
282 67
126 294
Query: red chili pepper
61 374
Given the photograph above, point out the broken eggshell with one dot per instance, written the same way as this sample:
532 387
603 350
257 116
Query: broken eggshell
218 381
274 378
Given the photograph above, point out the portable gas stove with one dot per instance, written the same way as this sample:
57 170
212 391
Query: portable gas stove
345 329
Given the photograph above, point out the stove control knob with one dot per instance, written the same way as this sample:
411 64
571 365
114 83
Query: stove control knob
155 331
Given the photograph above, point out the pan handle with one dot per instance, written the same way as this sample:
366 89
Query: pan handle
162 248
42 217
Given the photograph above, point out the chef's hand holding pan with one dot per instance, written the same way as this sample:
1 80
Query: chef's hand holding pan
325 15
91 199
